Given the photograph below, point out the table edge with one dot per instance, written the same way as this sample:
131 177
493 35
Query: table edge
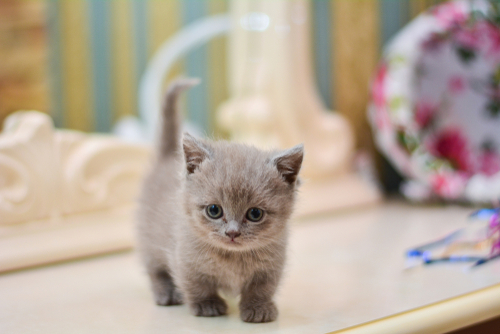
440 317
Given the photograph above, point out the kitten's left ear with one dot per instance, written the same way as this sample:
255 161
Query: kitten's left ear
195 152
289 162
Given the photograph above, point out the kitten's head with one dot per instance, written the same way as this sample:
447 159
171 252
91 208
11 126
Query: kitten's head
239 197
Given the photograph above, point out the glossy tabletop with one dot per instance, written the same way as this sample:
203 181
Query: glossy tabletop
343 270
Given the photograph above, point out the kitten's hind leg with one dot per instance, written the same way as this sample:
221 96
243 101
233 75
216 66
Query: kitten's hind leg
164 289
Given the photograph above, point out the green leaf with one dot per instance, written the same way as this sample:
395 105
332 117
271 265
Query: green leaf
396 103
493 108
409 143
465 54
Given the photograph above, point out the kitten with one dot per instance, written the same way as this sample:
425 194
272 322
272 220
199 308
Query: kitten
213 216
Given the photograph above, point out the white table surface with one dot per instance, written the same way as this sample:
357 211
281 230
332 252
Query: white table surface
344 270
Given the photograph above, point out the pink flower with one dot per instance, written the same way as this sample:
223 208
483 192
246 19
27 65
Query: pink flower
378 90
468 38
424 113
451 145
456 84
379 98
449 14
494 39
449 186
433 42
491 35
489 163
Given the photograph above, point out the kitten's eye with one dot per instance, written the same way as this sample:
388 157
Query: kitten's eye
214 211
255 214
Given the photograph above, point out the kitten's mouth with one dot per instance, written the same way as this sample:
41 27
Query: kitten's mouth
232 241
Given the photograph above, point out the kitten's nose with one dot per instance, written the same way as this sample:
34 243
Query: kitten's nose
232 230
233 234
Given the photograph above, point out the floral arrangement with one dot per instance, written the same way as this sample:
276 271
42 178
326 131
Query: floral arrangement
435 104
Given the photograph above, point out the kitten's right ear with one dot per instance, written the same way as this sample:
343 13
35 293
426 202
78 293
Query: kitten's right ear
194 152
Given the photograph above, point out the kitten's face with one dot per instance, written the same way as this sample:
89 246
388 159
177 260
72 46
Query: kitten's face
237 196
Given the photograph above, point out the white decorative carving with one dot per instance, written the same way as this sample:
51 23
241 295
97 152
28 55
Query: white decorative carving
47 173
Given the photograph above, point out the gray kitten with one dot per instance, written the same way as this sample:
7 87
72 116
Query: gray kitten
213 216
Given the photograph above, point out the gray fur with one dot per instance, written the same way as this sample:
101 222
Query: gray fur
189 256
170 135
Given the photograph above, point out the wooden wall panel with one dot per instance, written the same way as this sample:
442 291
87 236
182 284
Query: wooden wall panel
123 70
76 73
217 69
164 21
355 40
24 80
347 40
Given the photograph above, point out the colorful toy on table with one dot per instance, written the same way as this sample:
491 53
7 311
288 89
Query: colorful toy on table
494 235
479 242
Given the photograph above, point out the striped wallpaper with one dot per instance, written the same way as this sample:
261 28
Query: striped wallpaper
100 48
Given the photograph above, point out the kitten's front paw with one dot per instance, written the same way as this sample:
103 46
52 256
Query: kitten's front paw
168 297
210 307
265 312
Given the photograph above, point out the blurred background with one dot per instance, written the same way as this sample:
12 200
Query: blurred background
80 61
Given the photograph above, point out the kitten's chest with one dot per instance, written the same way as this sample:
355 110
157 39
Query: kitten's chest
231 280
232 271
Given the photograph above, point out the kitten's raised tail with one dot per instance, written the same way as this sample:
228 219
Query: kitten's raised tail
170 131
